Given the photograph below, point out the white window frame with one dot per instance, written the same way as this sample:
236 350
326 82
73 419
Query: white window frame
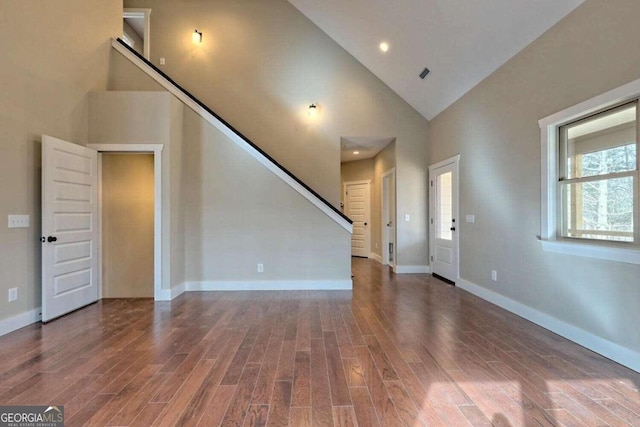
549 177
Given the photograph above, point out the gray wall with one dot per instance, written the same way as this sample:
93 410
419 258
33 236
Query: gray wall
224 212
261 64
53 54
495 129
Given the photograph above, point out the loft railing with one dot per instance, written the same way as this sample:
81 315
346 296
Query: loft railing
231 132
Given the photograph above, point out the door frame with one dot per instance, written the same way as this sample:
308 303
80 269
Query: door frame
140 13
455 160
384 201
368 219
156 150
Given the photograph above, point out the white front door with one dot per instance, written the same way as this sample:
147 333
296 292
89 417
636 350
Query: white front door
357 207
69 227
443 179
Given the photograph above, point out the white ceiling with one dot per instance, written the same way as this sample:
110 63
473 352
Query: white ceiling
460 41
367 147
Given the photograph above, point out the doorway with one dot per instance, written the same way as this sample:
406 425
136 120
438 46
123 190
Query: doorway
357 196
443 223
136 30
127 225
155 150
388 197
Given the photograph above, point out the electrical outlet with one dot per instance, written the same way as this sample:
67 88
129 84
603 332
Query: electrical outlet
13 294
471 219
494 275
163 61
19 221
260 268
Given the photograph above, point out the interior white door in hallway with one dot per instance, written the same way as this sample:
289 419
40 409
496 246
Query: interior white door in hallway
443 197
357 207
69 227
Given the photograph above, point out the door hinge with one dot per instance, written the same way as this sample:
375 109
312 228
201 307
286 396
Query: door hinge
431 221
431 257
432 183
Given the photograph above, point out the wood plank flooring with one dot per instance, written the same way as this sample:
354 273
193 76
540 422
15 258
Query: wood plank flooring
403 350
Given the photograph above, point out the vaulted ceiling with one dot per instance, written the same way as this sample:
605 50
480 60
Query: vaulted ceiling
460 41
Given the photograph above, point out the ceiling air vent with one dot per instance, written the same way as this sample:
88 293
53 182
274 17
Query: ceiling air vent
424 73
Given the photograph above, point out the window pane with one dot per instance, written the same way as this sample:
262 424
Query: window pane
600 210
602 144
444 208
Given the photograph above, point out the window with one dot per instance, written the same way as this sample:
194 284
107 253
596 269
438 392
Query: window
590 192
598 176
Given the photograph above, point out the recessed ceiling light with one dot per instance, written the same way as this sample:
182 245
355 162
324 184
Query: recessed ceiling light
384 46
356 152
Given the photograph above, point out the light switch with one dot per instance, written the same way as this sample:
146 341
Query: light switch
162 61
471 219
19 221
407 218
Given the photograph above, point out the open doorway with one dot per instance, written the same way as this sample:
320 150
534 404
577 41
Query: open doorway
127 225
364 162
156 151
136 30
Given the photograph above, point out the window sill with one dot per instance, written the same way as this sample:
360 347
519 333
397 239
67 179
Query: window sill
609 253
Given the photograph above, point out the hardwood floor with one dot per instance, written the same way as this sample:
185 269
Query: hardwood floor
400 350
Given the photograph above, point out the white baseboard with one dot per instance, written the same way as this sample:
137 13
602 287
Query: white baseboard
270 285
375 257
169 294
611 350
19 321
411 269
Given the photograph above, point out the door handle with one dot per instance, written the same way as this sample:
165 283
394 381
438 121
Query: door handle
52 239
365 223
389 224
453 229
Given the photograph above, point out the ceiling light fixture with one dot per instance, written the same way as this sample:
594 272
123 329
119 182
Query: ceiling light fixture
384 46
313 109
356 152
196 36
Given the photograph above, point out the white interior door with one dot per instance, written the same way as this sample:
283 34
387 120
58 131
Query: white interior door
69 227
388 218
443 224
357 204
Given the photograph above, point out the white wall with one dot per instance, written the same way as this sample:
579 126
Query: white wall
495 129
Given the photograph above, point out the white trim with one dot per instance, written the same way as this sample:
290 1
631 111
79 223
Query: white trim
156 149
611 350
411 269
375 257
610 253
170 294
384 259
549 177
233 137
18 321
270 285
454 160
136 13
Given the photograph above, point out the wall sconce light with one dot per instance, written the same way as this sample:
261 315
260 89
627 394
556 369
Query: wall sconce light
196 36
313 110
